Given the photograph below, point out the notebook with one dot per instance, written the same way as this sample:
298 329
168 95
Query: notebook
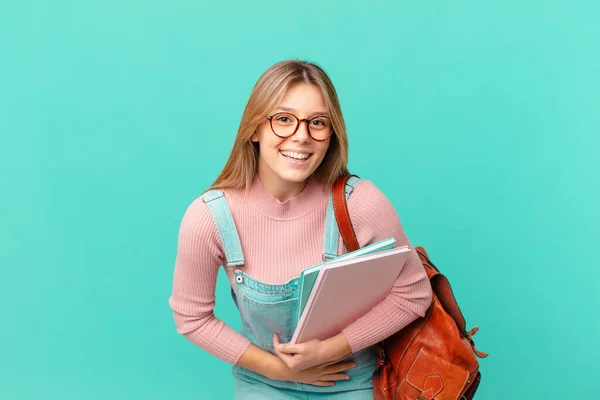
347 289
309 275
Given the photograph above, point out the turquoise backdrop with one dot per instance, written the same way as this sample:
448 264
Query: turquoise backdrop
479 120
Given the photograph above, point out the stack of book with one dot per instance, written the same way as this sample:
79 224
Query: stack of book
337 292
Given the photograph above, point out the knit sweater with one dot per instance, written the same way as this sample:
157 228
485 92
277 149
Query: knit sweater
280 239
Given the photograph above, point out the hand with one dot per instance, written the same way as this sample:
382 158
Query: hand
314 352
300 356
319 375
271 366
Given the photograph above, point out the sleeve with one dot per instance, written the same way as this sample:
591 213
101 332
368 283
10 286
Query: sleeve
374 218
199 256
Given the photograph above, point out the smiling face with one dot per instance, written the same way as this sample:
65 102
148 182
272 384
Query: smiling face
284 164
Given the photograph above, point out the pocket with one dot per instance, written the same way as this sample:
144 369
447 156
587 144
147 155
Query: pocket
267 317
433 377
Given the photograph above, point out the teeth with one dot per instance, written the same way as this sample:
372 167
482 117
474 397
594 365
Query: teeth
297 156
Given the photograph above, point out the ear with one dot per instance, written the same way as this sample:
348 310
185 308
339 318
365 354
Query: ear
254 137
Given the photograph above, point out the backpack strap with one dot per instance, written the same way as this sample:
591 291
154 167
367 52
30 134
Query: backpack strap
217 204
343 188
340 210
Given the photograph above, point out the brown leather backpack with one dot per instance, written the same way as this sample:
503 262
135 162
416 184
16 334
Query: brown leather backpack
434 357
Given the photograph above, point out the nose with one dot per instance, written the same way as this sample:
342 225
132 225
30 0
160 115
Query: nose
302 134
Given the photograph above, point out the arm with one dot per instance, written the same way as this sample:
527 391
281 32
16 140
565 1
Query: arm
272 366
262 362
374 219
199 255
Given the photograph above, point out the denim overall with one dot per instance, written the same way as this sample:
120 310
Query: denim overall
272 308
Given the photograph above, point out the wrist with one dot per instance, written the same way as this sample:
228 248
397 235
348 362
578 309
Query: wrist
336 348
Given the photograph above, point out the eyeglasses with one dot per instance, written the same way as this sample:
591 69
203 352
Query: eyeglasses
286 124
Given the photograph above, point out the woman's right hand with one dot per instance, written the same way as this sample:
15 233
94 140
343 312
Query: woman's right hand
319 375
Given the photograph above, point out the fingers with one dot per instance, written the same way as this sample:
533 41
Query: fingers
277 345
322 383
286 358
291 348
287 348
329 380
332 369
328 363
335 377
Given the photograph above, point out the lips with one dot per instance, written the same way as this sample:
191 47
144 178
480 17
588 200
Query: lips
294 155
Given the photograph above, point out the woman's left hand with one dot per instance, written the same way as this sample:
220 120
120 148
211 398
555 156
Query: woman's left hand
313 352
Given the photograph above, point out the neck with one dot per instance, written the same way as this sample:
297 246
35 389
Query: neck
283 191
294 202
280 189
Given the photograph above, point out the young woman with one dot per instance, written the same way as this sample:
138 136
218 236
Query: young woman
264 225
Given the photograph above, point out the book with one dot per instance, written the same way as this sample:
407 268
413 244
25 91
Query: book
309 275
346 289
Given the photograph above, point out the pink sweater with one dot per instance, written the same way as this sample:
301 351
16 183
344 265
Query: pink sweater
278 241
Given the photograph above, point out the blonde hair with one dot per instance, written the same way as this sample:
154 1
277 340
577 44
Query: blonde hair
241 166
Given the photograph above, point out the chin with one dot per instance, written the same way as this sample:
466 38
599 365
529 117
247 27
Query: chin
294 176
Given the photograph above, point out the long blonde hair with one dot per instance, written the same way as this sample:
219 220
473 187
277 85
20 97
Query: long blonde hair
241 166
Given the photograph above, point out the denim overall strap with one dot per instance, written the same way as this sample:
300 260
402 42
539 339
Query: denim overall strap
332 232
217 204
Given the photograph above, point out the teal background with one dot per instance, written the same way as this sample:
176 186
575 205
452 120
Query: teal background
479 120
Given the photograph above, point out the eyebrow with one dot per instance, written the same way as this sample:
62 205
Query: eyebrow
293 110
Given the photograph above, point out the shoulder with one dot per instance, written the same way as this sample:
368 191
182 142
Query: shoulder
367 197
373 215
198 217
197 224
